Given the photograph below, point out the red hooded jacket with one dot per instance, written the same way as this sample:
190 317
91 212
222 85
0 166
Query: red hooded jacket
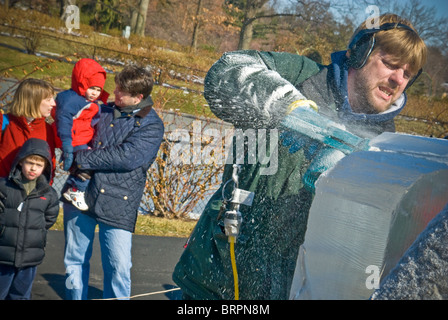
75 115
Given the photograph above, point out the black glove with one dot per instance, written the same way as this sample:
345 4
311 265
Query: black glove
82 174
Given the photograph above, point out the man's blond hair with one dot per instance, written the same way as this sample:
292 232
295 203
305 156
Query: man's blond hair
405 46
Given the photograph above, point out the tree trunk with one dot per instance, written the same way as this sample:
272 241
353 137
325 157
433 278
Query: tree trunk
62 7
133 22
194 38
141 18
247 29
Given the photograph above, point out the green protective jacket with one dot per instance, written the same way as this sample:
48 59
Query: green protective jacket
252 90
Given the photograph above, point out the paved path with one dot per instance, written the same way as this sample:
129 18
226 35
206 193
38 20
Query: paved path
153 261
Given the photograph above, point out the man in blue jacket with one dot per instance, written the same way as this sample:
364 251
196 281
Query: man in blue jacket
127 139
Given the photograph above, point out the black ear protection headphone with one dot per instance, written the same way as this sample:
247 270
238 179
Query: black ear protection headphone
363 42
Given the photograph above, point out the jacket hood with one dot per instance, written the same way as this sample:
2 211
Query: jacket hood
338 70
88 73
34 146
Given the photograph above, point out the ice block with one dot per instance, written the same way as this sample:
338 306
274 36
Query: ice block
368 209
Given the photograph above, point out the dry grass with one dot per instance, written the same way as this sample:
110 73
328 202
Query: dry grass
151 226
424 116
156 226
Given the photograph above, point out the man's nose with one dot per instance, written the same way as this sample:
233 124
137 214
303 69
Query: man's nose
398 77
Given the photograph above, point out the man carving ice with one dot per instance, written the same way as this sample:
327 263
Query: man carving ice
360 92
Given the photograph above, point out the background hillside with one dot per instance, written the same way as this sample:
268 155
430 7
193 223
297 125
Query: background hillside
180 40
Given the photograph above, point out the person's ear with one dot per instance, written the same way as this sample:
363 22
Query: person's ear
139 98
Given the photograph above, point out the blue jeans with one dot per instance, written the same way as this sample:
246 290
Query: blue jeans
74 180
79 230
16 283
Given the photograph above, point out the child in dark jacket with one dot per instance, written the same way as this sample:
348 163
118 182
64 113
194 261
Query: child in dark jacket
29 206
76 114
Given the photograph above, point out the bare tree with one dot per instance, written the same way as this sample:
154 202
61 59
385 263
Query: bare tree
140 22
194 37
251 11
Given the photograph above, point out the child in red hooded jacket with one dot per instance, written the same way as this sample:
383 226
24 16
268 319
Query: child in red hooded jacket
77 112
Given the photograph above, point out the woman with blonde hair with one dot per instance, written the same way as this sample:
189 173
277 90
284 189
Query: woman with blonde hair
25 119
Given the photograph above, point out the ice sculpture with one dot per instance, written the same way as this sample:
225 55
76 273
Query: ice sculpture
367 211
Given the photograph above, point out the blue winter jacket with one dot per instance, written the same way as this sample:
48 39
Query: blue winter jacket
123 148
27 217
75 118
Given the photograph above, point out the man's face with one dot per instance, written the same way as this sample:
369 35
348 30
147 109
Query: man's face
377 85
124 99
31 168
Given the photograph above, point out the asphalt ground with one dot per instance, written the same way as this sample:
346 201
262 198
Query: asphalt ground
153 262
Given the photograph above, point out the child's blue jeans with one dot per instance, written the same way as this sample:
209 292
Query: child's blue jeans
16 283
75 181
